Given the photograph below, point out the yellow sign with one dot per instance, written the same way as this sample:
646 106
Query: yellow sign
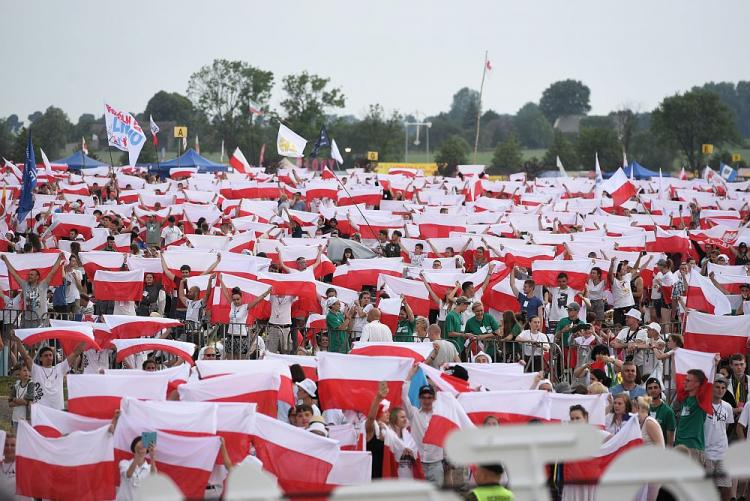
180 132
736 157
429 169
372 156
707 149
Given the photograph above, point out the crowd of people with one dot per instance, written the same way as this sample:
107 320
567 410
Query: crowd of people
571 290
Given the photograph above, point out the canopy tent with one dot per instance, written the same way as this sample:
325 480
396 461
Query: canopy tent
639 171
188 159
78 161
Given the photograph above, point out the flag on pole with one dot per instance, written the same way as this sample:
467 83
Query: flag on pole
289 143
728 173
321 142
46 162
560 167
662 194
625 161
598 178
262 154
488 65
154 130
619 187
239 162
255 108
26 202
84 148
335 153
683 174
124 133
221 159
197 145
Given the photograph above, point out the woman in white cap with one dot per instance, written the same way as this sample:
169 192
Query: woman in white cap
306 394
653 341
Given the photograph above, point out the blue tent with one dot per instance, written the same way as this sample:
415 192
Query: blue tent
639 171
188 159
78 161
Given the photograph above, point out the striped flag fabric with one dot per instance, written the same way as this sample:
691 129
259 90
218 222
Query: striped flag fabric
127 327
619 187
544 272
438 226
69 337
389 311
416 351
98 396
413 291
358 273
127 347
118 285
445 382
684 360
447 416
309 364
94 261
704 296
154 130
43 262
352 468
361 195
185 418
63 222
350 382
236 424
260 389
53 423
716 333
595 405
76 467
519 406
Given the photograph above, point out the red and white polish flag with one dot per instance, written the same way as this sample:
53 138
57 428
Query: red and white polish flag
251 290
673 241
445 382
260 389
389 311
300 284
416 351
98 396
527 255
716 333
493 381
213 368
309 364
63 222
595 405
300 460
361 195
352 468
619 187
589 471
439 226
94 261
239 162
128 327
520 406
77 467
118 285
447 416
182 172
500 296
52 423
358 273
197 419
684 360
413 291
43 262
319 189
236 424
350 382
316 322
127 347
703 295
545 272
69 337
347 435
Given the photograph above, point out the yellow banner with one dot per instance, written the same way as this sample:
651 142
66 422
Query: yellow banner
736 157
707 149
429 169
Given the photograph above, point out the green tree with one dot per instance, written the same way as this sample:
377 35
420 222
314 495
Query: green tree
564 149
737 99
382 133
83 128
170 106
566 97
592 141
453 152
465 100
35 116
507 156
626 124
14 123
649 151
50 132
7 138
689 120
308 99
534 130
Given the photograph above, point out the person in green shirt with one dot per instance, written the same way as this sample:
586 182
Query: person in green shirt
483 328
405 327
337 323
564 325
488 477
691 417
660 411
452 327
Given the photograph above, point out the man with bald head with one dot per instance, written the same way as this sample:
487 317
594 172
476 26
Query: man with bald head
443 351
375 331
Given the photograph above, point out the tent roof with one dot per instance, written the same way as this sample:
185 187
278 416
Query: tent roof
188 159
78 161
639 171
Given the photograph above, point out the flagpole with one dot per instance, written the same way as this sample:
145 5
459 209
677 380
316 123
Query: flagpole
479 107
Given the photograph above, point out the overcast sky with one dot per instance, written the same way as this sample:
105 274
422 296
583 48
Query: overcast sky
407 55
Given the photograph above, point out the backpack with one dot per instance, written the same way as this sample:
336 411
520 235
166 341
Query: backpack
58 297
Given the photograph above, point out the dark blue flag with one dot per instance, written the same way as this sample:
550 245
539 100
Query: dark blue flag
26 202
322 142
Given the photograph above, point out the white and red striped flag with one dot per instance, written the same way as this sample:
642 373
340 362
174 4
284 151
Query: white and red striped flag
239 162
619 187
389 311
360 195
520 406
684 360
260 389
703 295
357 273
180 418
154 130
439 226
127 347
527 255
350 382
319 189
213 368
724 334
69 337
77 467
309 364
126 326
300 284
63 222
414 292
236 424
447 416
98 396
595 405
300 460
118 285
417 351
545 272
445 382
94 261
52 423
43 262
352 468
589 471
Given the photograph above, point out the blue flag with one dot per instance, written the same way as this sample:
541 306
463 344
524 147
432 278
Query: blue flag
26 202
322 142
728 173
417 381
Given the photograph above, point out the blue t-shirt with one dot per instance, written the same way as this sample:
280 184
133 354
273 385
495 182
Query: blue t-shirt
530 305
636 392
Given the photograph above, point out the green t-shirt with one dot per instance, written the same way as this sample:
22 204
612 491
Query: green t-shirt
515 330
690 425
404 331
488 325
338 340
664 415
453 324
565 336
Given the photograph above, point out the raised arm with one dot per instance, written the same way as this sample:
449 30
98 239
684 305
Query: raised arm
27 360
213 266
258 299
75 353
281 262
429 289
204 300
611 272
318 258
12 270
512 281
409 313
372 414
490 267
165 268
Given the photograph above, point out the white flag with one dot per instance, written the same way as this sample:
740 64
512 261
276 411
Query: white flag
560 167
335 153
45 160
598 178
662 193
289 143
154 128
124 133
221 160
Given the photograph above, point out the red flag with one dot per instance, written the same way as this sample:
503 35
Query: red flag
118 285
684 360
239 162
619 187
98 396
716 333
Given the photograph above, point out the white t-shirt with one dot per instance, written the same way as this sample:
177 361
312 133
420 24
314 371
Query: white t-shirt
8 480
94 361
596 291
129 486
446 354
639 335
281 309
530 350
560 299
51 383
744 418
19 412
171 234
376 331
124 308
715 431
72 294
360 322
193 312
237 320
665 279
621 292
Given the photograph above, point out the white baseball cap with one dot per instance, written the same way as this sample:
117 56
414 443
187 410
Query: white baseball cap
654 326
309 386
632 312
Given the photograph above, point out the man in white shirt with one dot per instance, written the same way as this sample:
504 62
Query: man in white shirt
279 324
443 351
431 456
362 308
558 299
715 435
170 233
8 469
375 331
48 376
632 337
